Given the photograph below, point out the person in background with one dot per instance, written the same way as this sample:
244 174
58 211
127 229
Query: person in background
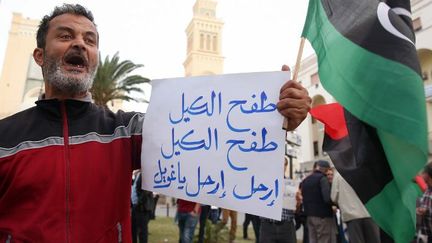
142 210
66 155
283 231
156 199
246 222
330 175
360 226
227 213
424 210
256 221
318 206
300 216
340 234
187 216
204 215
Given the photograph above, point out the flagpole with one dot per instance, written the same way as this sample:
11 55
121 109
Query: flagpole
285 125
299 57
296 71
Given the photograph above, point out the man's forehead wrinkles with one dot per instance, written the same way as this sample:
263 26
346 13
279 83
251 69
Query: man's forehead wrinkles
72 21
60 28
71 29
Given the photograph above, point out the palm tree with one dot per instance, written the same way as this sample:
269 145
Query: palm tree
113 80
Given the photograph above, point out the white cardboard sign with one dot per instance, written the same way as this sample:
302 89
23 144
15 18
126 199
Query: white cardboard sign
217 140
289 199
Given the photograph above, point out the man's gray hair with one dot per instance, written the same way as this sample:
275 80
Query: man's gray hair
59 10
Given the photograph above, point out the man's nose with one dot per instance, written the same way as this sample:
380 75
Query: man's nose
79 43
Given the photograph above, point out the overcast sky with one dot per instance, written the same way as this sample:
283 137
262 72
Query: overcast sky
258 35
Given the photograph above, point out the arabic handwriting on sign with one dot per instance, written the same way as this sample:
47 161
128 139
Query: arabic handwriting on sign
261 188
253 147
222 177
188 144
208 185
221 185
162 180
198 107
276 193
264 147
255 108
182 180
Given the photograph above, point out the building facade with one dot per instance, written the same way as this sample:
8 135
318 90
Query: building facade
312 132
204 41
21 79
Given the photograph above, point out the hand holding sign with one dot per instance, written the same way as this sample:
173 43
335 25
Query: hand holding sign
294 102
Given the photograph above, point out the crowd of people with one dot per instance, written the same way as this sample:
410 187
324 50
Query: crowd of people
328 210
329 203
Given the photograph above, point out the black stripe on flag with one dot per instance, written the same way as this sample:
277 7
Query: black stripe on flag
358 21
360 158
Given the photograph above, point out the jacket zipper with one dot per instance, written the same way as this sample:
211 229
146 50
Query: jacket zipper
9 238
119 230
67 166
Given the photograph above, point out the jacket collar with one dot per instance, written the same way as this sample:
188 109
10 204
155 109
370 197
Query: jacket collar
74 108
87 98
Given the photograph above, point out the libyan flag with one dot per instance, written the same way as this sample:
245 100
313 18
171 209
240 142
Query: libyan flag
368 62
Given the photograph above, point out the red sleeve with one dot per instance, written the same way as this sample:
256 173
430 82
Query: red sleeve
421 183
136 151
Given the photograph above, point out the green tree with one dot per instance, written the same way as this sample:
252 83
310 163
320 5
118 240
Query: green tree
113 80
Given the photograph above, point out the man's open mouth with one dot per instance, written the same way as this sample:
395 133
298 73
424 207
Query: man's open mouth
75 60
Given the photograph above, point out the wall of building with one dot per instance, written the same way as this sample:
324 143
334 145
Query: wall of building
204 41
19 51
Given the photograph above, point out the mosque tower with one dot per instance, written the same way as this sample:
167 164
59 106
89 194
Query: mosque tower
204 41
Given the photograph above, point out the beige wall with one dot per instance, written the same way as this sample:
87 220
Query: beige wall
422 9
308 131
21 43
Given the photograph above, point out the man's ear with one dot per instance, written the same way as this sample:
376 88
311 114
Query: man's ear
38 56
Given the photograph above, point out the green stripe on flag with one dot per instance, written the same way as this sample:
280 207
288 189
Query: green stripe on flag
388 96
393 217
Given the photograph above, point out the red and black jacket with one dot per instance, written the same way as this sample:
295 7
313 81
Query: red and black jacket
65 173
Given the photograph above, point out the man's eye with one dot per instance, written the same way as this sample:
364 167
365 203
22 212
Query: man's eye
66 37
91 41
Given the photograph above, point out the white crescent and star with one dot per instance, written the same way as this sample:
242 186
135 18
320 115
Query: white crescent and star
383 17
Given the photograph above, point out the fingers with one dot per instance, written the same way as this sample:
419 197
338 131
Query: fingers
285 68
292 112
292 84
294 103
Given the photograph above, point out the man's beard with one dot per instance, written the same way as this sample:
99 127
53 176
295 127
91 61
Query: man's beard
64 83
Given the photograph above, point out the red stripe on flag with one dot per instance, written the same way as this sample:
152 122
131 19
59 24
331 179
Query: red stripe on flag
332 115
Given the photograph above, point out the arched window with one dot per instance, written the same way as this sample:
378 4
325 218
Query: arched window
201 41
214 43
208 42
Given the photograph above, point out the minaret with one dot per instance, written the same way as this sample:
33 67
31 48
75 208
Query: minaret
21 77
204 41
